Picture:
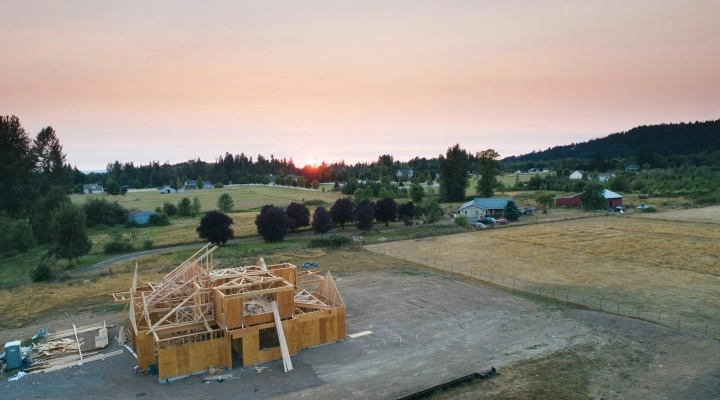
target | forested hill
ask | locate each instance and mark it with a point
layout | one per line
(665, 140)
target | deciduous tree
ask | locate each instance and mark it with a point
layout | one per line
(272, 223)
(342, 212)
(69, 235)
(364, 215)
(111, 187)
(592, 197)
(545, 199)
(417, 193)
(322, 221)
(299, 214)
(200, 182)
(386, 210)
(216, 227)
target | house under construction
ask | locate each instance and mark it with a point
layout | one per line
(196, 316)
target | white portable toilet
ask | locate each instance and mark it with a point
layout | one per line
(13, 358)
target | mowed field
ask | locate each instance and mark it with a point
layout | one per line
(245, 197)
(645, 262)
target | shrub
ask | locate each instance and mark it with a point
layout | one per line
(147, 243)
(159, 220)
(100, 211)
(170, 209)
(461, 220)
(132, 224)
(117, 246)
(330, 241)
(218, 185)
(315, 203)
(42, 272)
(650, 209)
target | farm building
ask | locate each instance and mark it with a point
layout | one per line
(168, 189)
(140, 217)
(481, 207)
(196, 316)
(577, 174)
(613, 200)
(406, 172)
(192, 184)
(605, 177)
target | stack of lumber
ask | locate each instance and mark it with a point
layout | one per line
(63, 345)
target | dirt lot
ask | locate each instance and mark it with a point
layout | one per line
(428, 328)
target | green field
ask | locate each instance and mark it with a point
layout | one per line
(245, 197)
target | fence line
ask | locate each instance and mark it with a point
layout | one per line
(657, 315)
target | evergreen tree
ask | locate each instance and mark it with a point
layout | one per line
(21, 236)
(200, 182)
(489, 169)
(322, 221)
(196, 206)
(185, 207)
(454, 169)
(512, 211)
(225, 203)
(42, 212)
(216, 228)
(17, 163)
(50, 161)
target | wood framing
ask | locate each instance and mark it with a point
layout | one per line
(197, 315)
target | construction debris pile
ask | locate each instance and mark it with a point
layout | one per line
(196, 316)
(58, 350)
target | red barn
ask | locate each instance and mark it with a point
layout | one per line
(613, 200)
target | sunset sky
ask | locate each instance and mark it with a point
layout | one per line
(177, 80)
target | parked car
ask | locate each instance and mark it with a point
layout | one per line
(620, 208)
(488, 221)
(643, 207)
(503, 221)
(479, 225)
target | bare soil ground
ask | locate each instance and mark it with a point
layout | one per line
(428, 328)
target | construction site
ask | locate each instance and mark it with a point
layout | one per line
(197, 316)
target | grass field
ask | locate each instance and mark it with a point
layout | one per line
(638, 261)
(245, 197)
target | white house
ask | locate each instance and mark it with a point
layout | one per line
(402, 172)
(605, 177)
(91, 188)
(481, 207)
(577, 174)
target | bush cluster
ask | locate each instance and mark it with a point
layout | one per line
(332, 241)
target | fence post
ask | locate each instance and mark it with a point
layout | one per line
(513, 283)
(502, 280)
(638, 312)
(658, 316)
(567, 296)
(490, 278)
(583, 298)
(553, 293)
(600, 304)
(618, 307)
(706, 329)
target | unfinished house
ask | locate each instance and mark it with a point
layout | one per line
(197, 316)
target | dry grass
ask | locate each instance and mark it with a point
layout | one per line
(636, 261)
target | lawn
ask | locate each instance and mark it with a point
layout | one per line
(633, 263)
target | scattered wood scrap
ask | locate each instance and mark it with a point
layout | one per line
(218, 378)
(363, 333)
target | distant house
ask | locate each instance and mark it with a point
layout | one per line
(577, 174)
(168, 189)
(192, 184)
(140, 217)
(605, 177)
(402, 172)
(613, 200)
(91, 188)
(481, 207)
(632, 168)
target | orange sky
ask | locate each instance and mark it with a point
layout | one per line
(335, 80)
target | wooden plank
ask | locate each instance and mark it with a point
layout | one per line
(86, 360)
(287, 363)
(356, 335)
